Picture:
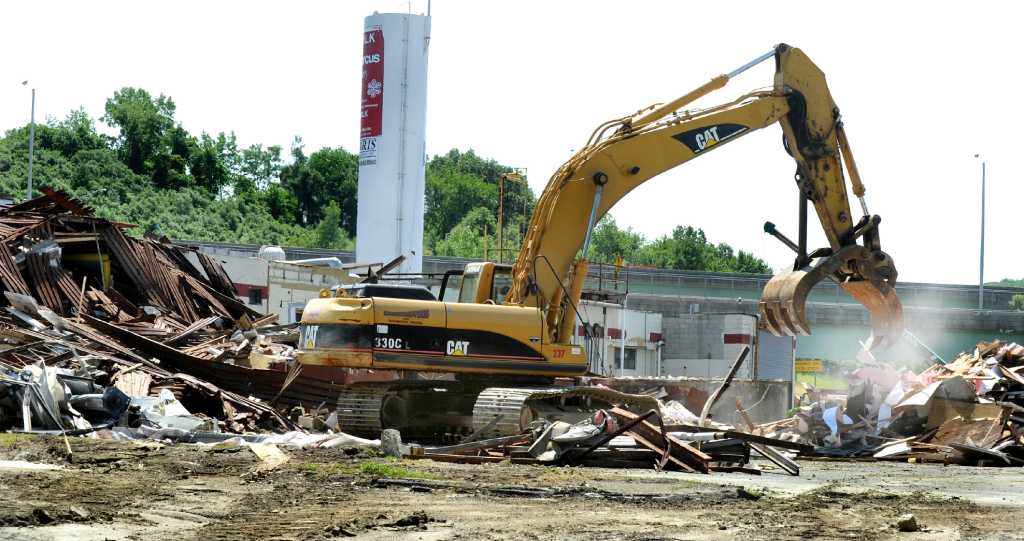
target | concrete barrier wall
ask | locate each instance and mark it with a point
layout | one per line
(836, 329)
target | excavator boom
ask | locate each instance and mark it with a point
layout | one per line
(626, 152)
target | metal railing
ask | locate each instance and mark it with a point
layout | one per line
(690, 283)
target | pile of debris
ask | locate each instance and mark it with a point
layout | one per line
(619, 438)
(99, 329)
(967, 411)
(667, 437)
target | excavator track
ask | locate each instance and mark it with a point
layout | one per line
(505, 411)
(359, 409)
(502, 411)
(428, 410)
(451, 410)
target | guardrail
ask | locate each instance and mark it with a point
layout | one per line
(689, 283)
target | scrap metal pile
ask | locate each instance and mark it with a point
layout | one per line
(99, 329)
(967, 411)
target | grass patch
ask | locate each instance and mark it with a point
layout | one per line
(378, 469)
(820, 381)
(10, 441)
(374, 469)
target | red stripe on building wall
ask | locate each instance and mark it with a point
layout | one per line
(614, 333)
(242, 290)
(655, 337)
(736, 338)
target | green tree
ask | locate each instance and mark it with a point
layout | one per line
(171, 163)
(460, 182)
(77, 132)
(1007, 282)
(609, 242)
(336, 181)
(1017, 301)
(688, 249)
(142, 122)
(469, 237)
(259, 167)
(281, 203)
(329, 233)
(328, 175)
(748, 263)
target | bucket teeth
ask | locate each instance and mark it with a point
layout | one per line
(783, 301)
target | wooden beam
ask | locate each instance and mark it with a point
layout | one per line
(652, 437)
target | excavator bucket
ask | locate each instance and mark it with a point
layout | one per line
(784, 311)
(884, 310)
(783, 301)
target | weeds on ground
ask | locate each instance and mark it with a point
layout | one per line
(373, 469)
(386, 470)
(10, 441)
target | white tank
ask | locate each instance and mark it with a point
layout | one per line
(392, 152)
(271, 253)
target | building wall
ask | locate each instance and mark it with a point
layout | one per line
(283, 288)
(705, 345)
(643, 335)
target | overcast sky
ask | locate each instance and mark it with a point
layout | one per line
(922, 88)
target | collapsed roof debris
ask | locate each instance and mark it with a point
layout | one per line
(81, 296)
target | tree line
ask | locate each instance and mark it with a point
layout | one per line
(155, 173)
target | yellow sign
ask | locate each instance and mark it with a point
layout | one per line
(810, 366)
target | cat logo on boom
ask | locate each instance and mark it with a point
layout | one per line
(458, 348)
(701, 139)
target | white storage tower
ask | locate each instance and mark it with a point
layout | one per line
(392, 152)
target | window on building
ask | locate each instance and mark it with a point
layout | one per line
(630, 358)
(255, 295)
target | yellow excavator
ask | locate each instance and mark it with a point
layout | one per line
(509, 335)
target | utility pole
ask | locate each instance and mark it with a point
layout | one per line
(516, 176)
(31, 141)
(981, 264)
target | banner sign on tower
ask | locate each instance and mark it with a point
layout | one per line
(373, 94)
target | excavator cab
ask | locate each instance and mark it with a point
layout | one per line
(479, 283)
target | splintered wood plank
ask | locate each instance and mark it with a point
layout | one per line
(650, 436)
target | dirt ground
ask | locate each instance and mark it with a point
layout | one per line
(112, 490)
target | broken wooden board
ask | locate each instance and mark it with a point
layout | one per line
(650, 436)
(751, 438)
(977, 432)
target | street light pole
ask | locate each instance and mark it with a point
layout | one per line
(981, 264)
(31, 143)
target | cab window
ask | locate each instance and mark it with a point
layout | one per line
(502, 285)
(469, 285)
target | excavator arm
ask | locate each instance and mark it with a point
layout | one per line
(626, 152)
